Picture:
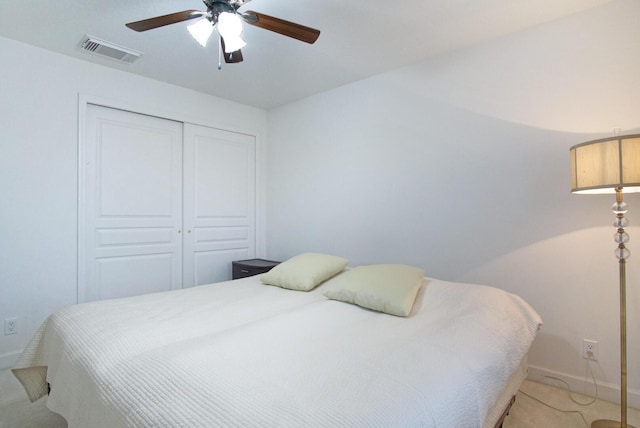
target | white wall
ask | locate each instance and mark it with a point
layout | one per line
(39, 93)
(460, 165)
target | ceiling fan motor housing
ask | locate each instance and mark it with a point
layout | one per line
(215, 8)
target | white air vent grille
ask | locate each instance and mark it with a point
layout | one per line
(109, 50)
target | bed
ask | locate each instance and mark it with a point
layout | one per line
(244, 354)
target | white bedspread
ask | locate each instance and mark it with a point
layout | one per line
(242, 354)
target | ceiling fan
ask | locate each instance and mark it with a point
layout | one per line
(224, 15)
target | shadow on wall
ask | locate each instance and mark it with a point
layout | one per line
(557, 347)
(432, 185)
(572, 281)
(580, 380)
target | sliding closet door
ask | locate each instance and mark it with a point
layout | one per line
(131, 205)
(219, 202)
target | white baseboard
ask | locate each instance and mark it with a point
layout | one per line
(606, 391)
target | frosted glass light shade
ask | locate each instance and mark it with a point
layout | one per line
(230, 29)
(601, 166)
(201, 30)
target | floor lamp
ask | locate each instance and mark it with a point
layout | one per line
(611, 165)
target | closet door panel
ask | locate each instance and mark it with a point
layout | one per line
(132, 205)
(219, 202)
(133, 274)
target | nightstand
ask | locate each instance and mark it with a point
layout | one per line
(244, 268)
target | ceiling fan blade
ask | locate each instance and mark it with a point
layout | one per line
(286, 28)
(232, 57)
(161, 21)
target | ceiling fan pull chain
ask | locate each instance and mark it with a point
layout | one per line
(219, 52)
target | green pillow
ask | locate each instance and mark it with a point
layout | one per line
(305, 271)
(389, 288)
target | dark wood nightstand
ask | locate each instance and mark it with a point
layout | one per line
(244, 268)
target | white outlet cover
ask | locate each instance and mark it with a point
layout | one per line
(590, 346)
(10, 326)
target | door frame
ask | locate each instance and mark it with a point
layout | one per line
(260, 165)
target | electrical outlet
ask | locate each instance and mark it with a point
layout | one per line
(590, 350)
(10, 326)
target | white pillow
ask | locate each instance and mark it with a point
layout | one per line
(305, 271)
(389, 288)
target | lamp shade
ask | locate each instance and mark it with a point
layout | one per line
(601, 166)
(230, 28)
(201, 30)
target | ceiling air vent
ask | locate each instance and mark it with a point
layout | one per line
(109, 50)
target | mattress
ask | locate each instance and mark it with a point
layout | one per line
(508, 393)
(243, 354)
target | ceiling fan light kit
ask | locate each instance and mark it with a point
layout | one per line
(230, 29)
(225, 17)
(201, 31)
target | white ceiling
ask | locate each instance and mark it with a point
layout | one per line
(358, 39)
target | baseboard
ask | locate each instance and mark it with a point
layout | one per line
(606, 391)
(9, 359)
